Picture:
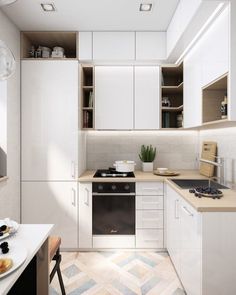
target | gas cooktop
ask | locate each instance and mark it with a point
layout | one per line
(111, 172)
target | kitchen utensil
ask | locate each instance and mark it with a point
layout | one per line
(124, 166)
(209, 149)
(18, 253)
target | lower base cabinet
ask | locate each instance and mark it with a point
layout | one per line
(201, 246)
(52, 203)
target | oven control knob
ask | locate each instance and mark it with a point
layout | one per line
(113, 187)
(100, 187)
(127, 187)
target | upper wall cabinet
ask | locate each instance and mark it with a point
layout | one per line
(85, 45)
(206, 63)
(147, 97)
(114, 46)
(114, 97)
(122, 46)
(150, 45)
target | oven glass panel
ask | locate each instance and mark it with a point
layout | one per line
(113, 215)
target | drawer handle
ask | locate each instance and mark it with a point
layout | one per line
(73, 197)
(187, 211)
(86, 197)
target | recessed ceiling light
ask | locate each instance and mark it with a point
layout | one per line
(145, 7)
(48, 7)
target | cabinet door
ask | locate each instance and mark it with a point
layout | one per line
(173, 231)
(85, 45)
(113, 46)
(114, 97)
(150, 45)
(147, 97)
(190, 253)
(49, 120)
(85, 215)
(52, 203)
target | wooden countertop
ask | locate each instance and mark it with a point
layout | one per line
(226, 204)
(87, 176)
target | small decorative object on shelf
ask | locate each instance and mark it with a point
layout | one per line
(223, 108)
(180, 120)
(147, 156)
(166, 102)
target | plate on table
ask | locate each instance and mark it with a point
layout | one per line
(13, 226)
(166, 173)
(17, 253)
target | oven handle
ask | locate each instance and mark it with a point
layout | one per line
(114, 194)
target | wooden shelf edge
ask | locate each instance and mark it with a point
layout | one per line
(173, 109)
(173, 87)
(215, 122)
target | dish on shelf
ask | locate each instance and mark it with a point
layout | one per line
(15, 257)
(166, 173)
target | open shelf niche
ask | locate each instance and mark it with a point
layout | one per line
(212, 97)
(67, 40)
(172, 91)
(87, 96)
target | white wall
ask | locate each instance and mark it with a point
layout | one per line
(10, 190)
(175, 149)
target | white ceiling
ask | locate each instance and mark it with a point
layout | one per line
(94, 15)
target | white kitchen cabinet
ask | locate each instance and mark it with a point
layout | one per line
(49, 106)
(184, 233)
(52, 203)
(150, 46)
(114, 97)
(85, 46)
(149, 215)
(113, 46)
(85, 215)
(207, 61)
(173, 226)
(200, 245)
(147, 97)
(190, 248)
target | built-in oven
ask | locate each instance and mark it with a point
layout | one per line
(113, 210)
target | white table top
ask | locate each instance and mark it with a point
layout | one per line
(32, 236)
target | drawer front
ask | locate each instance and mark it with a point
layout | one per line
(149, 202)
(149, 219)
(149, 188)
(149, 238)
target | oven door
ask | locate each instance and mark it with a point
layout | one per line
(113, 214)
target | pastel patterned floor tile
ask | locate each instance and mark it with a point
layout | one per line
(117, 273)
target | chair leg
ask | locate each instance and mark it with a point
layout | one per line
(63, 292)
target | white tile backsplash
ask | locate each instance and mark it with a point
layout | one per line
(175, 149)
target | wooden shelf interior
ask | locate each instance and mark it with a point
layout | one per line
(172, 88)
(87, 97)
(172, 75)
(212, 96)
(67, 40)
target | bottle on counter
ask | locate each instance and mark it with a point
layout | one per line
(223, 108)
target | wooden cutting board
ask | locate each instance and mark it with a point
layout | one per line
(209, 150)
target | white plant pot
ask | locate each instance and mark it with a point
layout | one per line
(147, 166)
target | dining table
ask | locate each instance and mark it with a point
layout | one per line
(32, 276)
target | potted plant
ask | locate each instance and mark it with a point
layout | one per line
(147, 156)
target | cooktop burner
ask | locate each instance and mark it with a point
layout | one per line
(207, 192)
(111, 172)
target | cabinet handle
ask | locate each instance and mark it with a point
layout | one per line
(73, 197)
(187, 211)
(86, 197)
(177, 209)
(73, 169)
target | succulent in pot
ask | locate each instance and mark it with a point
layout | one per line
(147, 156)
